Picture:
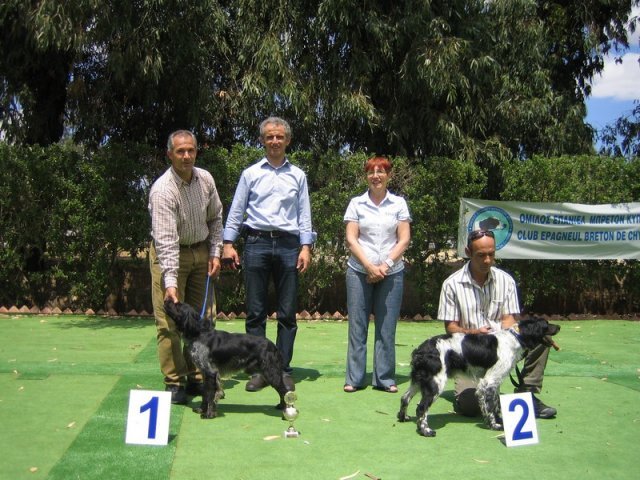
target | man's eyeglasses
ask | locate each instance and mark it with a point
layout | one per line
(476, 234)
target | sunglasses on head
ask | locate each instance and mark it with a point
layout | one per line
(476, 234)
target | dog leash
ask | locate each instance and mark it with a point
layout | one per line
(205, 303)
(520, 382)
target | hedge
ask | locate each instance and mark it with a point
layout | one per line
(69, 216)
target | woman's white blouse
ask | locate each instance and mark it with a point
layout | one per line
(378, 225)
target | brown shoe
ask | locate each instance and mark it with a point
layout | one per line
(288, 382)
(255, 383)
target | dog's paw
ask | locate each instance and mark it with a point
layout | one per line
(208, 414)
(426, 432)
(423, 428)
(496, 426)
(403, 417)
(280, 406)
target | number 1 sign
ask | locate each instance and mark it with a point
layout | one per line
(148, 418)
(518, 419)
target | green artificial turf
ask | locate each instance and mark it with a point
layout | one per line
(65, 382)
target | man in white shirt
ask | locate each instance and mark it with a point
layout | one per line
(481, 299)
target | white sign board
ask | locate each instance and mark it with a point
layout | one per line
(518, 419)
(148, 417)
(554, 231)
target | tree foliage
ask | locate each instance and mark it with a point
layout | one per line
(472, 79)
(149, 68)
(575, 286)
(65, 216)
(71, 218)
(622, 138)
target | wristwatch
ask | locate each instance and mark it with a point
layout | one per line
(390, 262)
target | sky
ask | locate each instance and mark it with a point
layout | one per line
(614, 91)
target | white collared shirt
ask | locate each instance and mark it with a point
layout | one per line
(378, 227)
(473, 306)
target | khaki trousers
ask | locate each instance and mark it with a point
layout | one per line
(175, 362)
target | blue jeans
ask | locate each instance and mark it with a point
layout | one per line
(383, 299)
(263, 259)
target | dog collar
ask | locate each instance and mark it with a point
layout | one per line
(515, 331)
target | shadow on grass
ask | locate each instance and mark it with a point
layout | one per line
(403, 381)
(238, 380)
(299, 375)
(441, 420)
(235, 408)
(99, 323)
(306, 374)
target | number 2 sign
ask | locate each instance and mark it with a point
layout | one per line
(148, 417)
(518, 419)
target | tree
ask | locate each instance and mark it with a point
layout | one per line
(473, 79)
(470, 79)
(580, 33)
(622, 138)
(37, 49)
(150, 68)
(112, 70)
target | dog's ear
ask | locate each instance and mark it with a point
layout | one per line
(170, 308)
(189, 312)
(532, 330)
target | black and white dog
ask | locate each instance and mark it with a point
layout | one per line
(216, 352)
(487, 358)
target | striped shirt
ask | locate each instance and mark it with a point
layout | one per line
(473, 306)
(183, 214)
(377, 227)
(273, 199)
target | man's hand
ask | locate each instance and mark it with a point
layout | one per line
(214, 266)
(171, 293)
(228, 252)
(304, 258)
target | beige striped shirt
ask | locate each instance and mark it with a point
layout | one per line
(463, 300)
(183, 214)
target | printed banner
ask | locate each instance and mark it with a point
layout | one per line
(554, 231)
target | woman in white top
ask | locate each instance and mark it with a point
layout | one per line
(377, 234)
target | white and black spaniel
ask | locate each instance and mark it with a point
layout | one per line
(487, 358)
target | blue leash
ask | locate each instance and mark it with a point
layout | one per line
(206, 299)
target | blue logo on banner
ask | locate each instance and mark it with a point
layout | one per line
(494, 219)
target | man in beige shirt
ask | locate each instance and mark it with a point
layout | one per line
(186, 227)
